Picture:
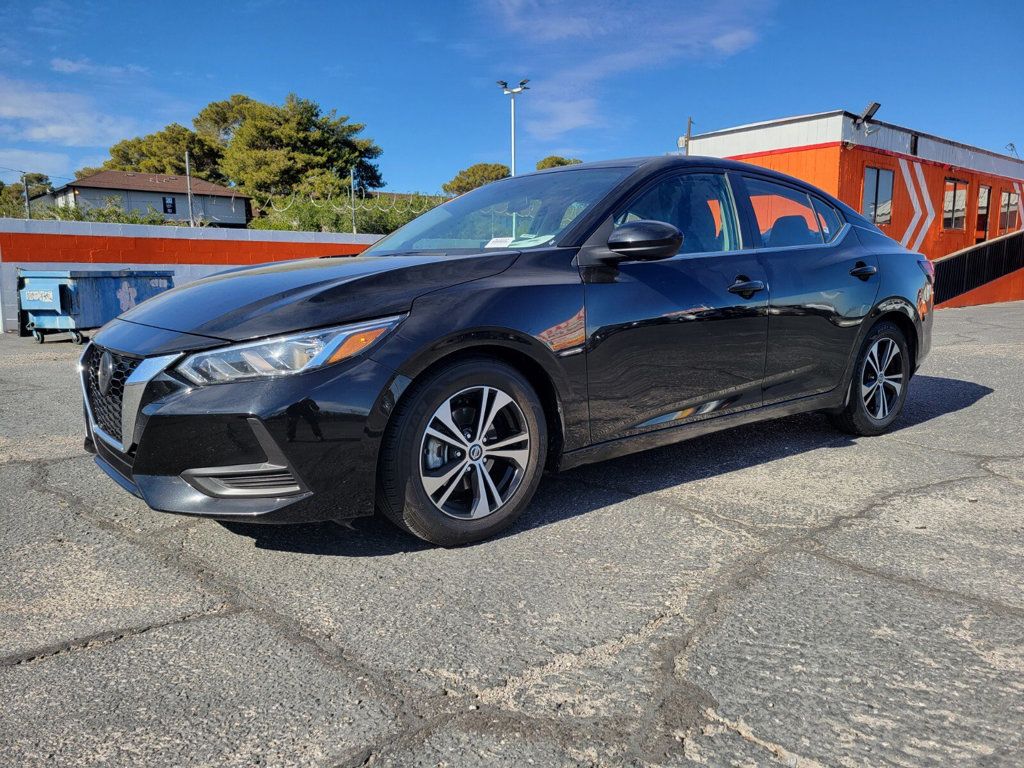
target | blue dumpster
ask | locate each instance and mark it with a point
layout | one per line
(72, 301)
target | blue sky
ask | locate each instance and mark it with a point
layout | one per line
(607, 78)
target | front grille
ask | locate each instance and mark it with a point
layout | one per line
(106, 409)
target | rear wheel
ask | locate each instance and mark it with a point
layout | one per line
(464, 453)
(879, 387)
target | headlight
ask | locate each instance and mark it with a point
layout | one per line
(284, 355)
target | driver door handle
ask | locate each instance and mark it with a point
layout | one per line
(745, 287)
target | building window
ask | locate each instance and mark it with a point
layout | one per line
(877, 195)
(1008, 221)
(170, 205)
(954, 205)
(984, 193)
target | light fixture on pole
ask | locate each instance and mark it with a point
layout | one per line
(511, 92)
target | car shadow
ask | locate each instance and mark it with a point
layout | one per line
(702, 457)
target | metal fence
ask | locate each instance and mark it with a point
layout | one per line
(970, 268)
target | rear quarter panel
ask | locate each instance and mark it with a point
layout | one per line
(904, 287)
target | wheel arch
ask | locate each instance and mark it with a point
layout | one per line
(901, 312)
(895, 309)
(518, 353)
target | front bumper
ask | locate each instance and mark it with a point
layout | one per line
(295, 449)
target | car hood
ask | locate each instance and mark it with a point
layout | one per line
(265, 300)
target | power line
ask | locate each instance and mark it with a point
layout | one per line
(25, 173)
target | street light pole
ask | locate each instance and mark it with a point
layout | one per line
(188, 187)
(512, 107)
(24, 190)
(511, 92)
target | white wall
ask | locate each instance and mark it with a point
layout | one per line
(217, 210)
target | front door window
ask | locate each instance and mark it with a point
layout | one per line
(698, 204)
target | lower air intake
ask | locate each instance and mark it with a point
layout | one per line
(247, 480)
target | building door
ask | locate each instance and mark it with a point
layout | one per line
(981, 222)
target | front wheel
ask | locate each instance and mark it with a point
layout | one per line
(464, 453)
(879, 387)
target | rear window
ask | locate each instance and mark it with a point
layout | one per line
(829, 219)
(784, 216)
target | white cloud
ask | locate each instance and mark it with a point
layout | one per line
(29, 112)
(87, 67)
(53, 18)
(551, 118)
(572, 47)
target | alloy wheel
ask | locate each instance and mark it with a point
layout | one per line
(882, 378)
(474, 452)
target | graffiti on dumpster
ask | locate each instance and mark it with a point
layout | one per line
(127, 294)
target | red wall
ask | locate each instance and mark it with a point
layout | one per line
(1006, 288)
(937, 242)
(104, 249)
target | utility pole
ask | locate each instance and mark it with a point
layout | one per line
(512, 92)
(24, 189)
(689, 133)
(352, 194)
(188, 185)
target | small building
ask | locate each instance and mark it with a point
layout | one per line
(212, 204)
(934, 195)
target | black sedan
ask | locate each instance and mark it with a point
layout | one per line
(536, 323)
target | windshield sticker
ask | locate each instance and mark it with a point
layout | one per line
(498, 242)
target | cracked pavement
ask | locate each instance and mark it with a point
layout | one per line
(774, 594)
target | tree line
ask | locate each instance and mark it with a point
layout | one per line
(295, 159)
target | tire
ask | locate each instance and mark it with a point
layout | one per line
(77, 337)
(452, 513)
(865, 412)
(38, 336)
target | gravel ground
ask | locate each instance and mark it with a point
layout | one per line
(778, 593)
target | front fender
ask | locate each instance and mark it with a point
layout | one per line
(538, 325)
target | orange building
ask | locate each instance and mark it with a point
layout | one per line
(934, 195)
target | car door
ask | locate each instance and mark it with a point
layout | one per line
(680, 339)
(823, 283)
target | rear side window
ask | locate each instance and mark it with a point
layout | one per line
(828, 219)
(698, 204)
(784, 216)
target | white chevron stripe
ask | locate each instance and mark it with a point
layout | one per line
(1020, 205)
(909, 181)
(928, 206)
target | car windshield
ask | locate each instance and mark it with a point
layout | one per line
(521, 212)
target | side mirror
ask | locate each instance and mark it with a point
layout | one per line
(645, 240)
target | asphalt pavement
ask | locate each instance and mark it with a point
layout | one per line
(774, 594)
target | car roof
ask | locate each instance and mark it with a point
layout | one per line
(657, 163)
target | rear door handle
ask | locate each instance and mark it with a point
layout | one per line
(745, 287)
(863, 271)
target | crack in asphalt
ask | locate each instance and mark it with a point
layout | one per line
(100, 639)
(995, 607)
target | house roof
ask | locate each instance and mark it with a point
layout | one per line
(151, 182)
